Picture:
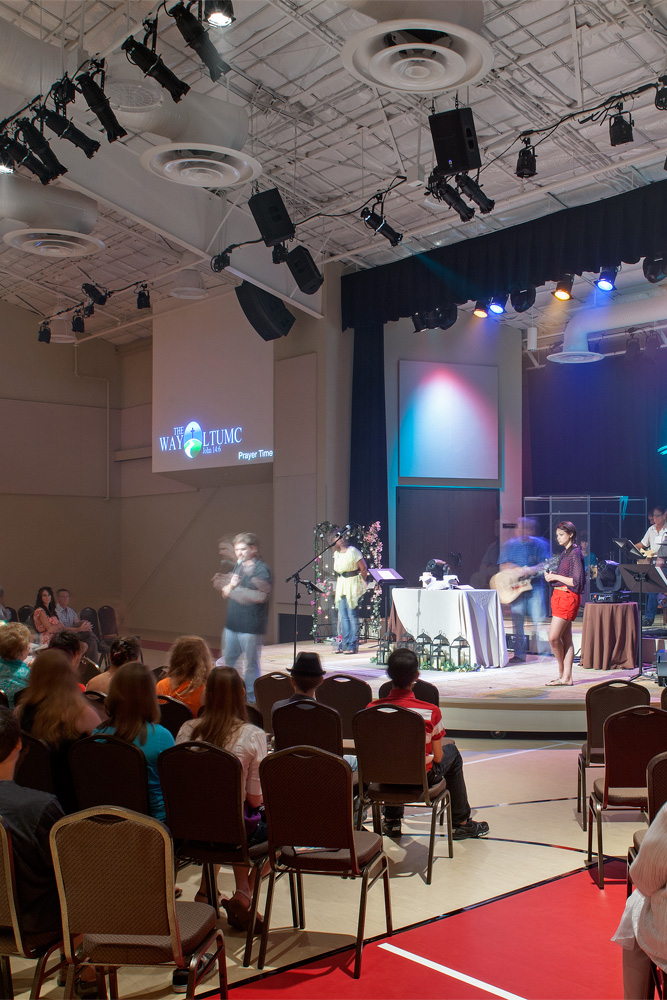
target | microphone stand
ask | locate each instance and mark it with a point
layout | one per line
(308, 584)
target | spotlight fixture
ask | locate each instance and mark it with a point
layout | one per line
(151, 64)
(98, 103)
(197, 38)
(498, 303)
(439, 189)
(620, 129)
(632, 348)
(525, 164)
(607, 280)
(380, 225)
(523, 298)
(6, 162)
(653, 343)
(661, 93)
(563, 289)
(66, 129)
(481, 309)
(34, 139)
(419, 322)
(88, 310)
(96, 294)
(78, 326)
(44, 334)
(219, 13)
(22, 157)
(472, 190)
(655, 269)
(279, 253)
(220, 262)
(143, 297)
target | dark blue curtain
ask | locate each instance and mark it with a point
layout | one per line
(368, 454)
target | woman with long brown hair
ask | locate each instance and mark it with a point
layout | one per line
(190, 663)
(44, 615)
(570, 580)
(224, 723)
(134, 715)
(53, 709)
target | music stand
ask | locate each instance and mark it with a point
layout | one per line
(626, 543)
(385, 576)
(639, 579)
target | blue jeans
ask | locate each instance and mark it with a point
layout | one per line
(250, 645)
(530, 604)
(651, 606)
(349, 623)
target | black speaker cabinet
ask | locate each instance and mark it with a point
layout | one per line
(661, 667)
(304, 270)
(266, 313)
(272, 218)
(455, 140)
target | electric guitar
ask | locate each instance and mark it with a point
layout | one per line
(510, 586)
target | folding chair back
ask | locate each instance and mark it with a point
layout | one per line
(348, 695)
(270, 688)
(423, 691)
(390, 743)
(108, 771)
(108, 622)
(173, 713)
(631, 739)
(656, 782)
(307, 723)
(35, 764)
(90, 615)
(604, 700)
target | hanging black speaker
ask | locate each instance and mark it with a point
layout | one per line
(304, 270)
(272, 218)
(266, 313)
(455, 140)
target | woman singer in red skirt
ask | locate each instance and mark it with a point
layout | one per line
(569, 580)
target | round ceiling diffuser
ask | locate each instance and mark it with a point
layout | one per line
(53, 242)
(418, 55)
(200, 165)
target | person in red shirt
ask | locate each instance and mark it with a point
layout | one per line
(441, 761)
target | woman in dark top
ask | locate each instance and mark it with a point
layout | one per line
(569, 580)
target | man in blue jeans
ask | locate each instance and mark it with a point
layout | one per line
(522, 554)
(248, 593)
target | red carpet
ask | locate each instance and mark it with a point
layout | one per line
(546, 943)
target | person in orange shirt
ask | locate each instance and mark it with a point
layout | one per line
(189, 665)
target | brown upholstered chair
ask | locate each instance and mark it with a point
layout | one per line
(389, 742)
(108, 771)
(108, 622)
(631, 739)
(98, 700)
(13, 941)
(602, 700)
(348, 695)
(173, 713)
(663, 694)
(423, 691)
(255, 716)
(209, 829)
(127, 913)
(312, 832)
(87, 670)
(656, 785)
(34, 768)
(270, 688)
(307, 723)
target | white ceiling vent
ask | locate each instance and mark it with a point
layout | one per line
(423, 47)
(53, 242)
(127, 88)
(49, 221)
(649, 309)
(200, 165)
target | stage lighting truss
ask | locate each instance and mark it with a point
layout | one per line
(523, 298)
(606, 281)
(98, 102)
(151, 64)
(219, 13)
(196, 37)
(563, 289)
(526, 165)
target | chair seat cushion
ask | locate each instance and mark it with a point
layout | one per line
(367, 846)
(592, 755)
(633, 797)
(221, 854)
(402, 794)
(195, 923)
(33, 943)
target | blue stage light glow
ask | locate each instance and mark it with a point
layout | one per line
(497, 308)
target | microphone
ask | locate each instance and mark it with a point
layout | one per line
(344, 531)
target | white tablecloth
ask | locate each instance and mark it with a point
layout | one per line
(477, 615)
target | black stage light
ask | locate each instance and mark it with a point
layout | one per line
(151, 64)
(661, 93)
(448, 316)
(143, 297)
(380, 225)
(620, 129)
(653, 344)
(523, 298)
(498, 303)
(6, 161)
(655, 269)
(96, 294)
(481, 309)
(78, 326)
(525, 163)
(607, 279)
(279, 254)
(44, 334)
(98, 103)
(419, 322)
(472, 190)
(220, 262)
(563, 289)
(197, 38)
(88, 310)
(632, 348)
(219, 13)
(304, 270)
(22, 157)
(439, 189)
(66, 129)
(39, 145)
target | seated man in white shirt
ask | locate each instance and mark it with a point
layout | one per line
(71, 621)
(654, 537)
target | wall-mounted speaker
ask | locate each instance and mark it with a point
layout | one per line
(304, 270)
(272, 218)
(266, 313)
(455, 140)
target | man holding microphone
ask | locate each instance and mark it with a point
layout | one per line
(248, 593)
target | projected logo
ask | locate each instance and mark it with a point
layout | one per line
(192, 439)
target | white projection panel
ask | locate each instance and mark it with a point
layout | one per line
(212, 389)
(448, 421)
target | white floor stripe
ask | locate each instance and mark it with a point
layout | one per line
(512, 753)
(461, 976)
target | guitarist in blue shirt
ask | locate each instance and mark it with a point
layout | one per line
(522, 555)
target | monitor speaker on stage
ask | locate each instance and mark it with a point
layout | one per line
(265, 312)
(455, 140)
